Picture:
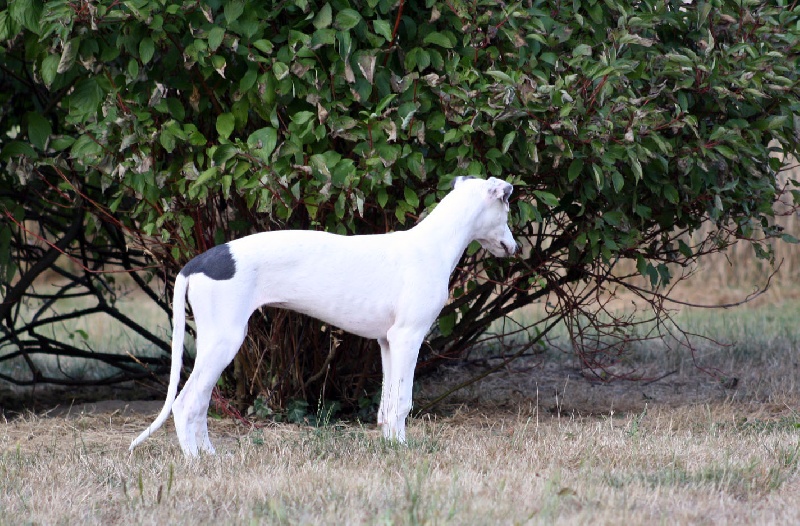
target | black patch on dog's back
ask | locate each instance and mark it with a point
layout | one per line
(217, 263)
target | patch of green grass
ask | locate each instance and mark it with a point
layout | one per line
(97, 332)
(744, 334)
(752, 477)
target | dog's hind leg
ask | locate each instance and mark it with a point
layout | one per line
(191, 406)
(181, 424)
(222, 354)
(221, 327)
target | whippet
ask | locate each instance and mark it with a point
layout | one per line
(390, 287)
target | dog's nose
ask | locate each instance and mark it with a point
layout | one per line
(512, 250)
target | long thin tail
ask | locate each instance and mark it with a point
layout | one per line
(178, 333)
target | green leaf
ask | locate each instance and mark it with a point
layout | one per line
(382, 197)
(27, 13)
(302, 117)
(726, 151)
(324, 17)
(321, 164)
(196, 138)
(575, 169)
(582, 50)
(671, 194)
(281, 70)
(508, 139)
(416, 165)
(50, 69)
(438, 39)
(8, 26)
(383, 28)
(225, 124)
(86, 98)
(215, 37)
(771, 123)
(223, 152)
(411, 197)
(636, 166)
(385, 102)
(684, 249)
(218, 61)
(613, 218)
(265, 46)
(133, 68)
(248, 79)
(176, 109)
(39, 130)
(347, 19)
(15, 148)
(322, 37)
(418, 58)
(263, 141)
(598, 175)
(546, 197)
(499, 75)
(233, 10)
(167, 140)
(617, 180)
(664, 274)
(61, 143)
(203, 180)
(641, 265)
(447, 323)
(678, 58)
(548, 57)
(147, 49)
(84, 147)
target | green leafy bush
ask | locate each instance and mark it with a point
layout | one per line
(173, 127)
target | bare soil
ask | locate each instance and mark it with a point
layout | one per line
(526, 385)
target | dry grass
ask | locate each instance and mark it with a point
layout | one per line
(699, 464)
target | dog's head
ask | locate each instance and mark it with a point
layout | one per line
(491, 226)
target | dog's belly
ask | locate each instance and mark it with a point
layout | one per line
(359, 303)
(356, 317)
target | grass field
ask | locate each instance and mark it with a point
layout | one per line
(715, 463)
(537, 443)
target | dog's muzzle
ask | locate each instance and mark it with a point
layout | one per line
(510, 250)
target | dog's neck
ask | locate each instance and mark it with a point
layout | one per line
(445, 225)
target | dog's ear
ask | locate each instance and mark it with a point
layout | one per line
(461, 178)
(500, 189)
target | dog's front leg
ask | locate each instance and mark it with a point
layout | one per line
(403, 351)
(386, 365)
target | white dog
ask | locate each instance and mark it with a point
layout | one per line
(390, 287)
